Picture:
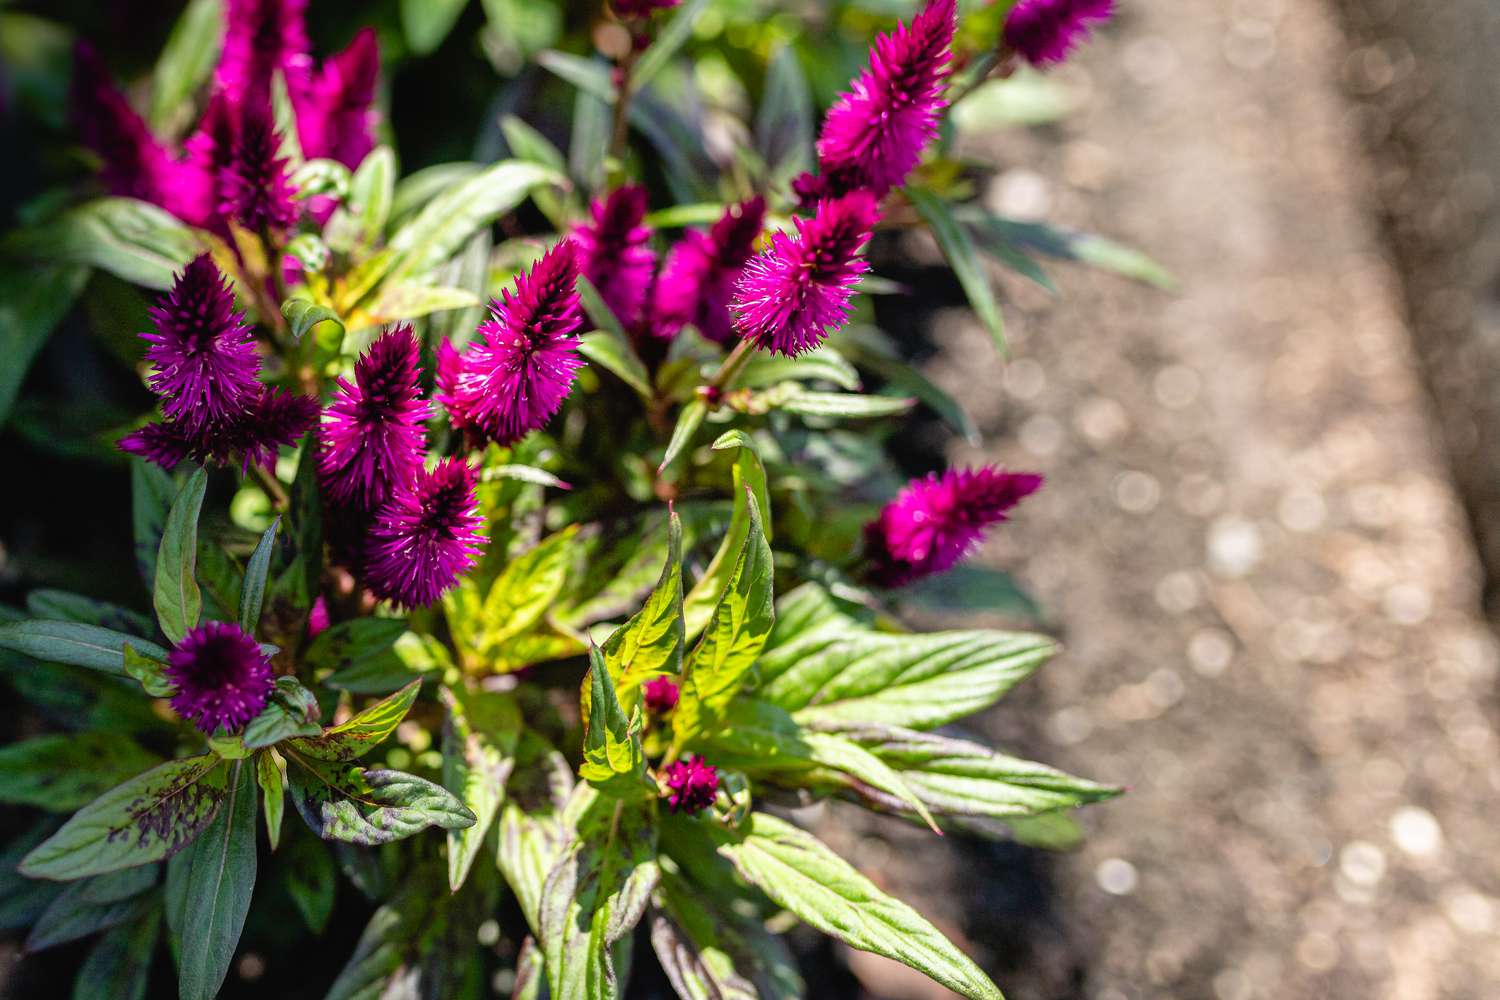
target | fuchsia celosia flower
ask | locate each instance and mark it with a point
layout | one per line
(692, 784)
(223, 678)
(698, 280)
(373, 436)
(261, 38)
(640, 8)
(254, 188)
(514, 380)
(935, 521)
(875, 132)
(661, 694)
(134, 164)
(425, 536)
(614, 252)
(1043, 32)
(334, 116)
(204, 353)
(793, 295)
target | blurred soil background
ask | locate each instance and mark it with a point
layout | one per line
(1272, 520)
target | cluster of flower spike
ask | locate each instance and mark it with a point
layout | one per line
(230, 167)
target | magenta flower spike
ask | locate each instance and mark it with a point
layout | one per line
(254, 188)
(262, 37)
(614, 252)
(204, 353)
(133, 163)
(937, 520)
(874, 134)
(425, 536)
(223, 678)
(515, 378)
(373, 435)
(792, 296)
(1044, 32)
(692, 784)
(660, 694)
(697, 282)
(335, 119)
(209, 150)
(627, 9)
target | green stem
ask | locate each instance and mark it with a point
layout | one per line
(723, 379)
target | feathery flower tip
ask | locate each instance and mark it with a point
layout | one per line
(514, 380)
(373, 436)
(936, 521)
(692, 784)
(223, 678)
(793, 295)
(425, 536)
(1044, 32)
(254, 188)
(698, 280)
(262, 37)
(133, 163)
(334, 116)
(614, 251)
(661, 695)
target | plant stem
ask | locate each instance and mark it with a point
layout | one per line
(730, 369)
(620, 129)
(273, 487)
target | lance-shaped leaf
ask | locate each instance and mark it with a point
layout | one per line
(595, 895)
(362, 733)
(291, 711)
(93, 904)
(81, 645)
(131, 239)
(361, 219)
(59, 605)
(149, 672)
(958, 248)
(177, 600)
(614, 355)
(185, 62)
(33, 300)
(534, 829)
(151, 493)
(688, 421)
(723, 658)
(253, 586)
(221, 876)
(341, 801)
(712, 952)
(479, 743)
(528, 587)
(397, 928)
(148, 818)
(272, 794)
(613, 759)
(412, 301)
(799, 873)
(700, 603)
(118, 966)
(312, 881)
(360, 648)
(303, 314)
(60, 773)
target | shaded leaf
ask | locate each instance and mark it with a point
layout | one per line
(176, 597)
(221, 872)
(81, 645)
(958, 248)
(131, 239)
(61, 773)
(362, 733)
(479, 742)
(344, 802)
(33, 300)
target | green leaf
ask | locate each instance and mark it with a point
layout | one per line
(358, 223)
(148, 818)
(1057, 831)
(60, 773)
(151, 493)
(613, 759)
(177, 600)
(1021, 100)
(799, 873)
(732, 641)
(361, 645)
(33, 300)
(844, 405)
(369, 806)
(362, 733)
(918, 681)
(997, 233)
(527, 588)
(427, 22)
(221, 872)
(784, 123)
(120, 963)
(416, 190)
(715, 953)
(594, 304)
(398, 302)
(91, 905)
(148, 672)
(529, 144)
(821, 365)
(702, 600)
(651, 643)
(607, 351)
(876, 353)
(253, 586)
(272, 794)
(302, 315)
(130, 239)
(688, 422)
(311, 880)
(958, 248)
(59, 605)
(590, 76)
(668, 41)
(291, 711)
(448, 221)
(321, 177)
(305, 553)
(479, 742)
(81, 645)
(595, 895)
(534, 829)
(972, 588)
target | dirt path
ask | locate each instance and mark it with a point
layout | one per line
(1250, 546)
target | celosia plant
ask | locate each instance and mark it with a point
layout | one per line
(577, 597)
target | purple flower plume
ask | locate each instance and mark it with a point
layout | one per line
(334, 117)
(640, 8)
(204, 354)
(614, 252)
(1043, 32)
(514, 380)
(134, 164)
(698, 280)
(790, 297)
(373, 436)
(274, 419)
(692, 784)
(254, 188)
(425, 536)
(875, 132)
(223, 678)
(661, 695)
(936, 521)
(262, 37)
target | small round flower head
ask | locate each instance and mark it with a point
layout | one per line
(793, 295)
(698, 280)
(514, 380)
(223, 678)
(875, 132)
(661, 695)
(334, 116)
(204, 354)
(1043, 32)
(692, 784)
(424, 537)
(373, 435)
(614, 252)
(936, 521)
(254, 188)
